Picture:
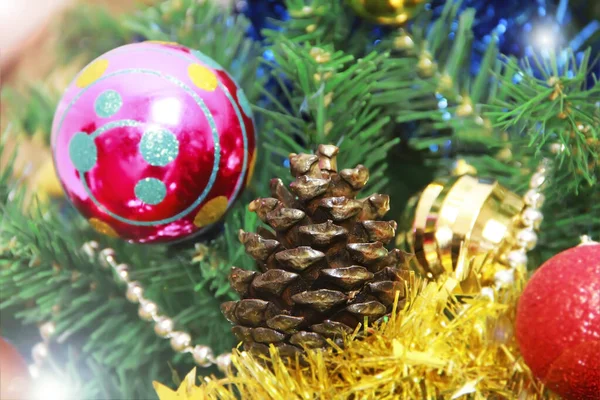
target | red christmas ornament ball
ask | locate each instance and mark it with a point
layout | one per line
(153, 142)
(14, 375)
(576, 372)
(558, 323)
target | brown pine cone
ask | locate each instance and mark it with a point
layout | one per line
(323, 267)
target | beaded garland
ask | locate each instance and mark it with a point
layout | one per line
(153, 142)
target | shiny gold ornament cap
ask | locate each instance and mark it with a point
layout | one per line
(460, 214)
(387, 12)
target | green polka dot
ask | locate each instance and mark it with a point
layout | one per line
(108, 103)
(150, 191)
(244, 102)
(206, 60)
(159, 147)
(83, 151)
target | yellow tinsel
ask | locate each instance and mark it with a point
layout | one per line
(186, 391)
(443, 345)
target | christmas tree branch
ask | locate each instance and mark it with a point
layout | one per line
(31, 113)
(429, 81)
(327, 96)
(45, 273)
(205, 26)
(80, 36)
(555, 108)
(42, 263)
(502, 121)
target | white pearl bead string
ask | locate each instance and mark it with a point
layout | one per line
(164, 326)
(530, 218)
(39, 352)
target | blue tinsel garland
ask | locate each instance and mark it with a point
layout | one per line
(523, 27)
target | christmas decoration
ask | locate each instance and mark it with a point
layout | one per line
(40, 351)
(460, 212)
(387, 12)
(261, 14)
(558, 322)
(164, 326)
(153, 142)
(434, 345)
(526, 28)
(187, 390)
(458, 218)
(324, 268)
(14, 377)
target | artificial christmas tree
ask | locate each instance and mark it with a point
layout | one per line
(410, 104)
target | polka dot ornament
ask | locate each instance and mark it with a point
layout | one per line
(153, 142)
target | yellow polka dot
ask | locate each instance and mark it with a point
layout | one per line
(202, 77)
(212, 211)
(251, 167)
(163, 42)
(91, 73)
(103, 227)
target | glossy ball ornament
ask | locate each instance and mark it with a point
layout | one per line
(14, 376)
(153, 142)
(558, 323)
(387, 12)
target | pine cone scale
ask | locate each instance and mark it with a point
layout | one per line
(331, 329)
(320, 300)
(250, 312)
(299, 259)
(285, 323)
(386, 291)
(307, 187)
(340, 208)
(356, 177)
(282, 219)
(266, 335)
(281, 193)
(380, 231)
(372, 309)
(307, 339)
(348, 277)
(322, 235)
(257, 247)
(274, 281)
(367, 253)
(240, 280)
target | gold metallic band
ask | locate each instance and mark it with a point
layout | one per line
(464, 213)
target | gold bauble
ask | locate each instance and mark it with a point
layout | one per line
(404, 42)
(462, 167)
(426, 67)
(457, 219)
(465, 108)
(387, 12)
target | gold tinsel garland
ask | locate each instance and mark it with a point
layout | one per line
(444, 344)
